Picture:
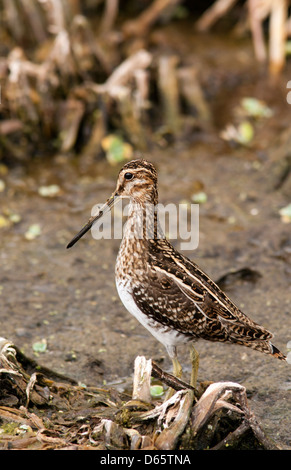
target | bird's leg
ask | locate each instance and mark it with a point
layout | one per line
(194, 355)
(177, 369)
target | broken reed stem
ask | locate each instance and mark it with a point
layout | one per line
(142, 379)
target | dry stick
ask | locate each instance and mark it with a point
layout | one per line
(110, 14)
(61, 57)
(80, 24)
(71, 8)
(18, 87)
(98, 131)
(192, 92)
(232, 437)
(148, 17)
(212, 400)
(142, 59)
(12, 14)
(254, 424)
(251, 420)
(130, 119)
(73, 114)
(57, 13)
(116, 88)
(33, 13)
(256, 16)
(213, 13)
(170, 380)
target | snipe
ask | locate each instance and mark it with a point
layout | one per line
(169, 294)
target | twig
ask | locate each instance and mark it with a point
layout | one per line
(213, 13)
(171, 380)
(257, 12)
(36, 24)
(233, 437)
(147, 18)
(125, 71)
(110, 14)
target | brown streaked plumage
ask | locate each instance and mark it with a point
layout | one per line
(169, 294)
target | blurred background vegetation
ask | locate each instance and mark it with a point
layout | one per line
(92, 77)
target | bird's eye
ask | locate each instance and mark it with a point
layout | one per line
(128, 176)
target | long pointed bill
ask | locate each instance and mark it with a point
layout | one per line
(104, 209)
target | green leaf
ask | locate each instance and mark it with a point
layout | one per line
(40, 346)
(199, 198)
(33, 231)
(256, 108)
(245, 133)
(285, 213)
(156, 391)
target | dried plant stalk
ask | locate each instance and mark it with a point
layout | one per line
(213, 14)
(110, 15)
(278, 21)
(169, 91)
(141, 25)
(142, 379)
(111, 422)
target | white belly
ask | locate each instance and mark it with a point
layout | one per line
(168, 337)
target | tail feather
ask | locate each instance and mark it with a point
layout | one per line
(266, 347)
(256, 337)
(276, 353)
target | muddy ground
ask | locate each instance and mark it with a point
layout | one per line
(68, 297)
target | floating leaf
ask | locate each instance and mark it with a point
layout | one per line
(33, 231)
(116, 149)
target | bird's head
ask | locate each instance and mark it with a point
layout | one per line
(136, 180)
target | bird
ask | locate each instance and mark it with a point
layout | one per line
(169, 294)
